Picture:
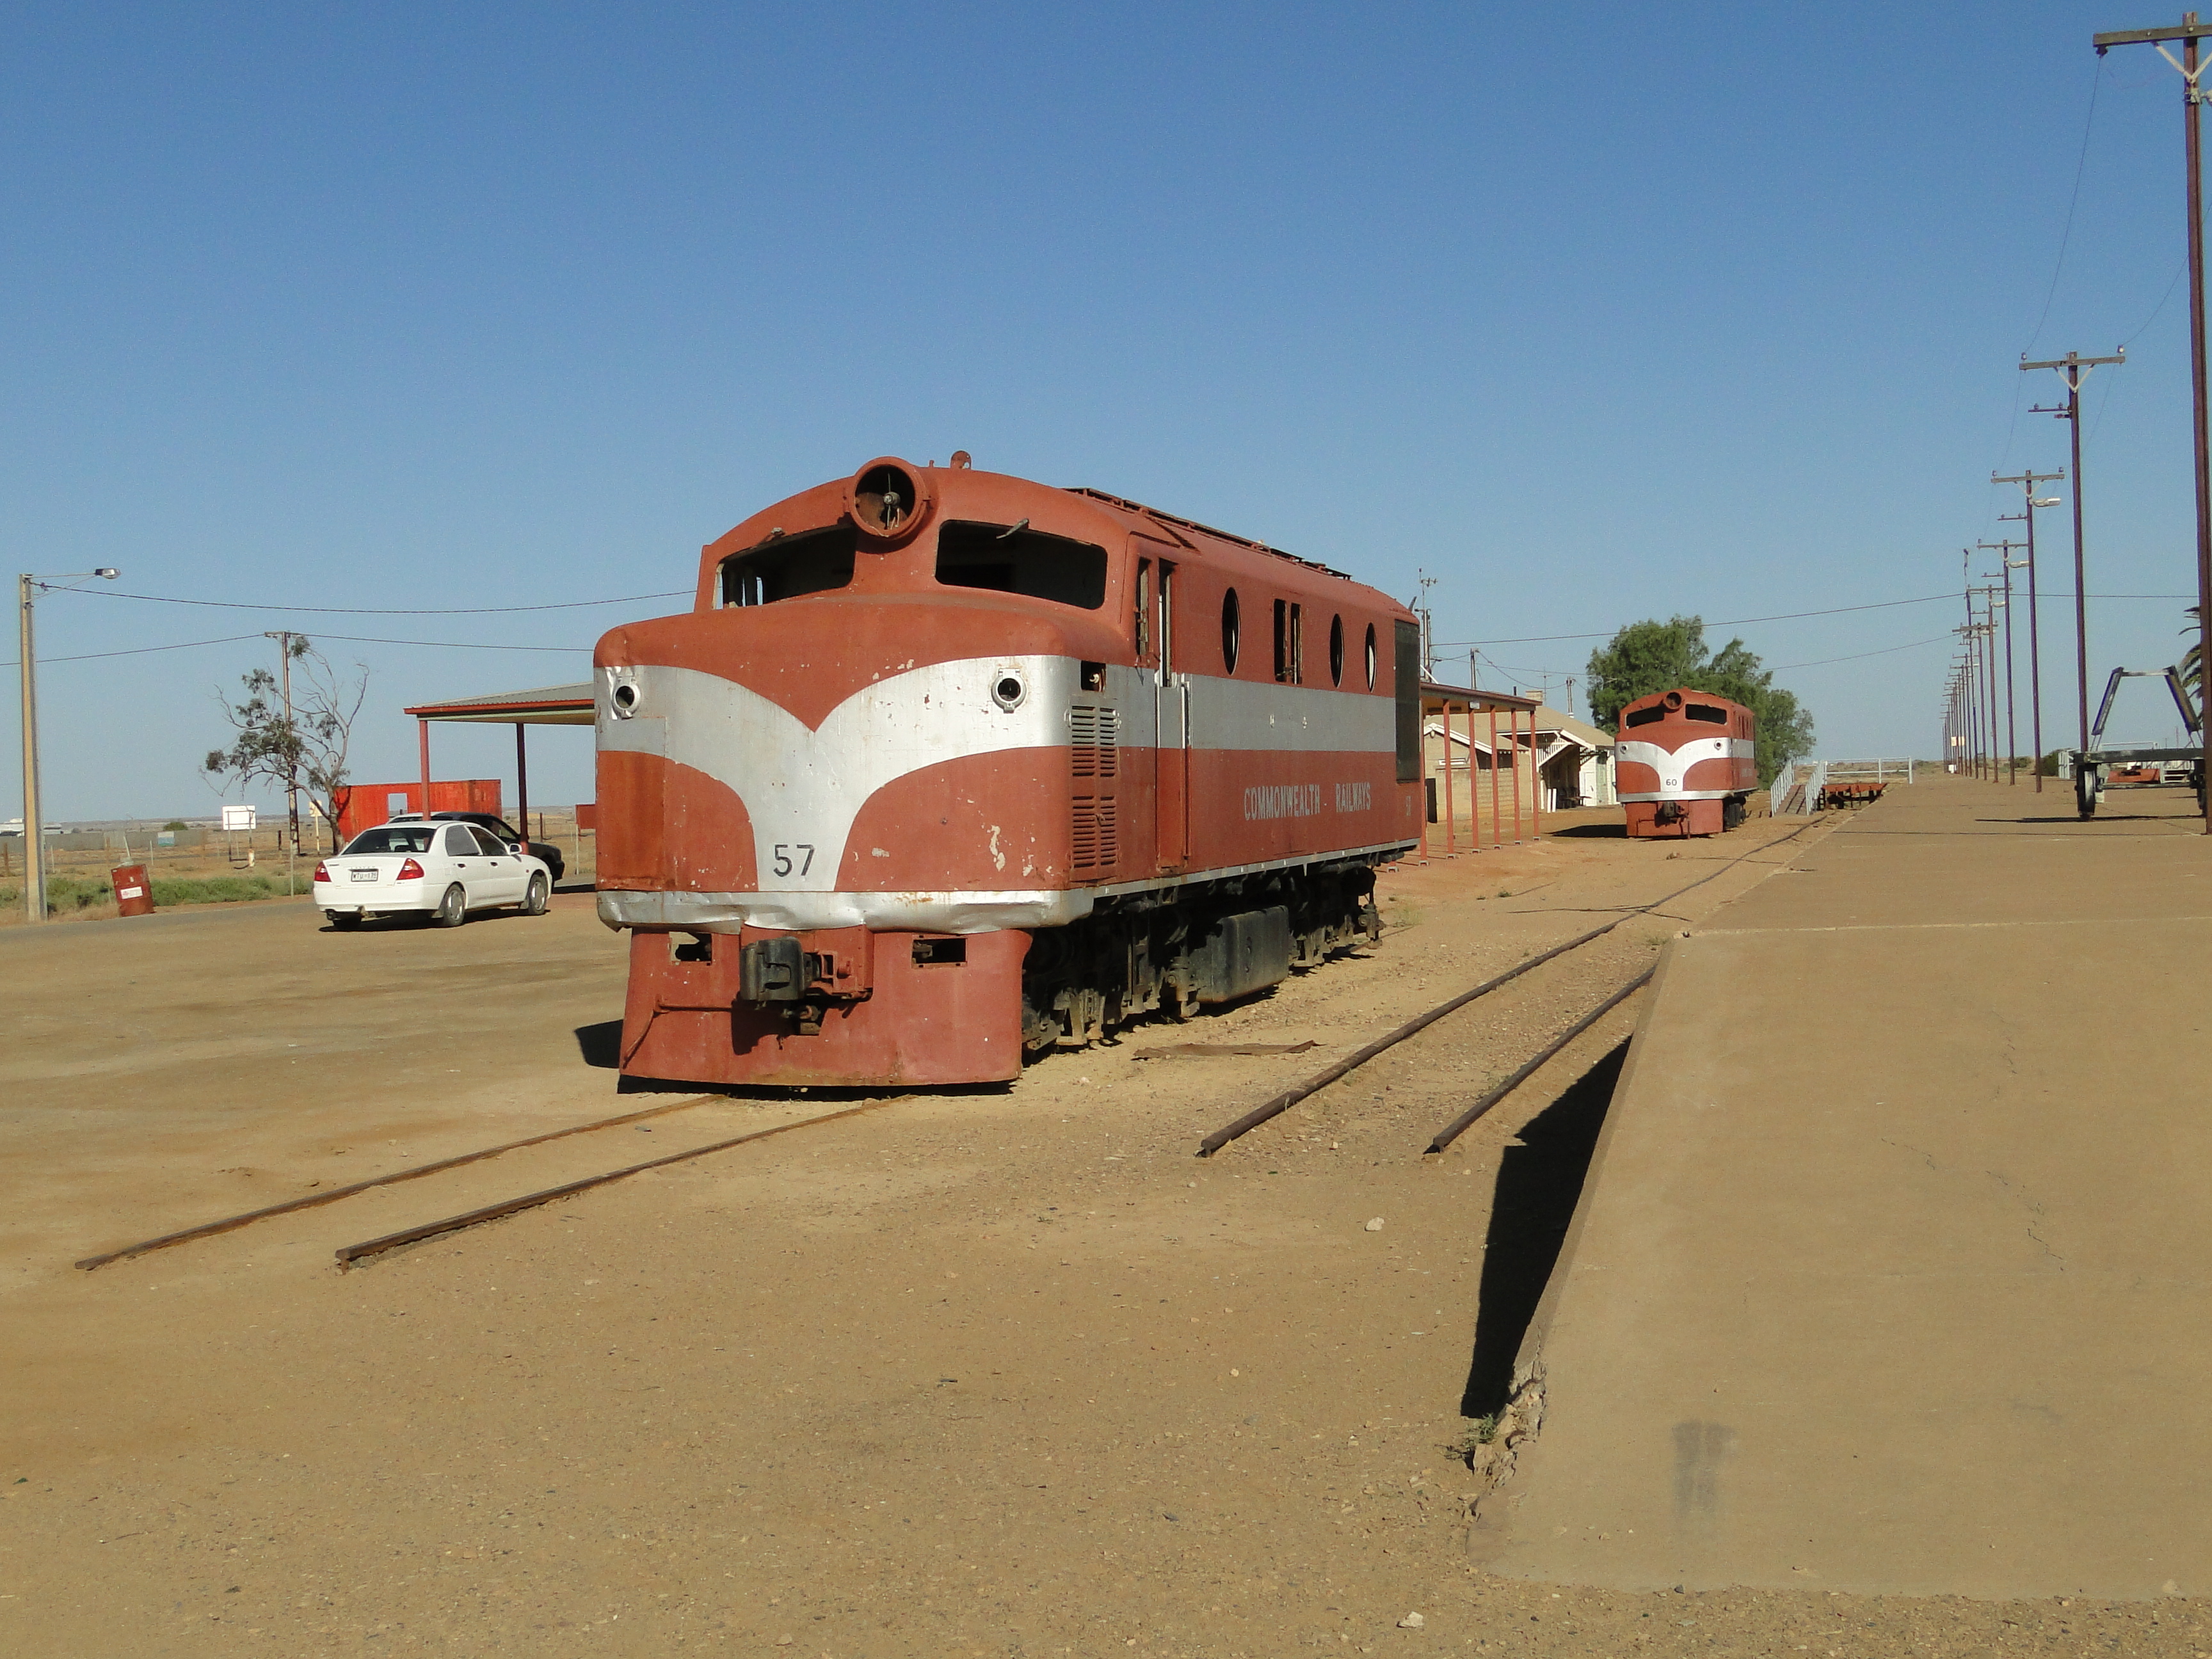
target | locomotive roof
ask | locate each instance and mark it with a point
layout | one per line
(1141, 511)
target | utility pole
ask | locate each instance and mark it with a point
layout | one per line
(2073, 366)
(2007, 564)
(34, 843)
(2028, 481)
(1972, 691)
(1990, 668)
(34, 839)
(1989, 672)
(1955, 725)
(2189, 34)
(284, 638)
(1428, 637)
(1969, 636)
(1959, 698)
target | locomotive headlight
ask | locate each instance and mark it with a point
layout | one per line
(888, 500)
(1009, 691)
(623, 697)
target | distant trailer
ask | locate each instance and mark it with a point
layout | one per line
(2096, 766)
(1849, 791)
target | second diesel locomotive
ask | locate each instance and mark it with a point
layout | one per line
(1686, 762)
(945, 767)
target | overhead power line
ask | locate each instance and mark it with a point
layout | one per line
(1886, 651)
(1789, 616)
(349, 639)
(355, 611)
(1739, 622)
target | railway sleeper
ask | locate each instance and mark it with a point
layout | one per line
(1178, 951)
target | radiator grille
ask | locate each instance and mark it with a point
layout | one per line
(1096, 735)
(1095, 844)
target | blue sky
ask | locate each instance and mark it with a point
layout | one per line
(1719, 312)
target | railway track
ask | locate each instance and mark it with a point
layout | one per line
(351, 1255)
(1289, 1097)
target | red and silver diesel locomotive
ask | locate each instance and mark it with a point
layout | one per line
(945, 766)
(1685, 762)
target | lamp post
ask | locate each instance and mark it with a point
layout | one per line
(34, 843)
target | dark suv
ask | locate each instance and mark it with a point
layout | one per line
(544, 850)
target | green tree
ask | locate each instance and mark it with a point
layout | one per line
(308, 745)
(1658, 656)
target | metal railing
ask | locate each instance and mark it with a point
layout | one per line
(1796, 791)
(1879, 770)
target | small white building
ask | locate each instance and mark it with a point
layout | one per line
(1575, 761)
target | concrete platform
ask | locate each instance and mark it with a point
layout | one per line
(1893, 1270)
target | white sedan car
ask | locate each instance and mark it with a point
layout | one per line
(441, 870)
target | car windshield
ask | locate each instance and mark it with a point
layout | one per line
(392, 838)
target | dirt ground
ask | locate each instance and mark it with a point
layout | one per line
(1005, 1370)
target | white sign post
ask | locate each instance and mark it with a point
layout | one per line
(237, 819)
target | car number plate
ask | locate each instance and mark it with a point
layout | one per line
(364, 875)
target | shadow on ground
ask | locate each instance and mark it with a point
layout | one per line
(600, 1045)
(1539, 1179)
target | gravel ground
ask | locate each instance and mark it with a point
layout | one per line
(1005, 1371)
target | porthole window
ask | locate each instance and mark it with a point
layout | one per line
(1370, 656)
(1336, 651)
(1230, 620)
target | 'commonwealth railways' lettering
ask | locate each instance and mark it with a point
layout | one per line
(1303, 801)
(1282, 800)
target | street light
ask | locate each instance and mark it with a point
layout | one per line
(34, 843)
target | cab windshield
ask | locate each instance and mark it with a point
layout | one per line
(1015, 559)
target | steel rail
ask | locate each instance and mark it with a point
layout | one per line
(1466, 1120)
(208, 1228)
(350, 1254)
(1290, 1097)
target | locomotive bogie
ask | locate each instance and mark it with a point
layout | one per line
(1135, 764)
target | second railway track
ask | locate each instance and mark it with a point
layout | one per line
(1335, 1072)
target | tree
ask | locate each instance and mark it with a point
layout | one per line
(1658, 656)
(308, 744)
